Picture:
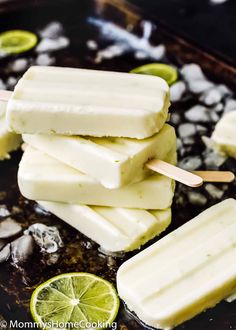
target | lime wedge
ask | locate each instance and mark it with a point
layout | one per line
(167, 72)
(75, 299)
(17, 41)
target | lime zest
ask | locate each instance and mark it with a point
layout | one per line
(164, 71)
(17, 41)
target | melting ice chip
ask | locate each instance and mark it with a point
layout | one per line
(230, 105)
(5, 253)
(22, 248)
(9, 228)
(47, 44)
(44, 59)
(192, 71)
(20, 65)
(48, 238)
(177, 90)
(127, 41)
(52, 30)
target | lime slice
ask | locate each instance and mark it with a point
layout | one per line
(75, 299)
(167, 72)
(17, 41)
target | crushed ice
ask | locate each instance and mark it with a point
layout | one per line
(20, 65)
(47, 238)
(215, 192)
(190, 163)
(4, 211)
(5, 253)
(177, 91)
(230, 105)
(186, 130)
(197, 198)
(53, 38)
(92, 44)
(49, 45)
(9, 228)
(124, 41)
(44, 59)
(52, 30)
(22, 248)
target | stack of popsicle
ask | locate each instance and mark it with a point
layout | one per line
(89, 135)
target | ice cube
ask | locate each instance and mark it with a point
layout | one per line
(201, 129)
(44, 59)
(230, 105)
(92, 44)
(48, 45)
(20, 65)
(9, 228)
(199, 86)
(197, 198)
(5, 254)
(192, 71)
(211, 96)
(52, 30)
(213, 160)
(4, 211)
(175, 118)
(190, 163)
(22, 248)
(48, 238)
(198, 113)
(186, 130)
(213, 191)
(177, 90)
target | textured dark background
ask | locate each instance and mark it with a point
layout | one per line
(211, 25)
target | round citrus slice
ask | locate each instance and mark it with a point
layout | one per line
(75, 300)
(167, 72)
(17, 41)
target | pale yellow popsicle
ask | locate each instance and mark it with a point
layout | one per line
(186, 272)
(224, 135)
(41, 177)
(114, 229)
(73, 101)
(114, 162)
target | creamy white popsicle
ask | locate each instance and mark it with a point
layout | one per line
(114, 229)
(184, 273)
(41, 177)
(114, 162)
(73, 101)
(224, 135)
(8, 141)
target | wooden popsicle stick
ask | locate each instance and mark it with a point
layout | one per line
(215, 176)
(176, 173)
(5, 95)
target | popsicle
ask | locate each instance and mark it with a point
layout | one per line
(73, 101)
(114, 229)
(224, 135)
(184, 273)
(41, 177)
(114, 162)
(8, 141)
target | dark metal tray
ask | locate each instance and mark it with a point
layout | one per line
(80, 253)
